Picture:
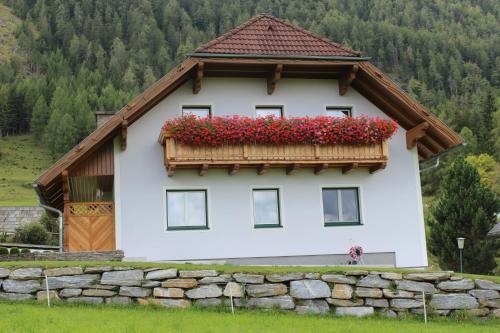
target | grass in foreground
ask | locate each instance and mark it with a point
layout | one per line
(21, 161)
(79, 318)
(224, 268)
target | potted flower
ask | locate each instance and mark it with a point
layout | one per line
(355, 254)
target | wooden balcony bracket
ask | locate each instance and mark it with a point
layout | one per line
(124, 134)
(347, 79)
(349, 167)
(416, 133)
(274, 78)
(262, 169)
(320, 168)
(377, 167)
(197, 77)
(203, 169)
(171, 170)
(290, 170)
(233, 169)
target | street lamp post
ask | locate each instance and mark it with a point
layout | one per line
(460, 243)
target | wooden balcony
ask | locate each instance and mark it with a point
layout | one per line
(262, 157)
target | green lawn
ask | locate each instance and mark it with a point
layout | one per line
(78, 318)
(21, 161)
(222, 268)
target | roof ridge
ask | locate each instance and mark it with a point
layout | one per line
(258, 17)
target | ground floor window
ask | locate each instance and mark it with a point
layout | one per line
(341, 206)
(266, 208)
(186, 209)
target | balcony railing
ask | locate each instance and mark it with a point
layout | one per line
(233, 157)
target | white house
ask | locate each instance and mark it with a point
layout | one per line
(124, 188)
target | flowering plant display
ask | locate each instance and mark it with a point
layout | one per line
(356, 252)
(321, 130)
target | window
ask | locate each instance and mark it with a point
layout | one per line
(186, 209)
(266, 111)
(338, 111)
(198, 111)
(341, 206)
(266, 210)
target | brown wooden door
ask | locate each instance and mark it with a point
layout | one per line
(90, 227)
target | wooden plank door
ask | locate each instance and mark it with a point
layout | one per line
(90, 227)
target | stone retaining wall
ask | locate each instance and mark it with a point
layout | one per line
(65, 256)
(357, 293)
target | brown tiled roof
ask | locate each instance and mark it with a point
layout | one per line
(266, 35)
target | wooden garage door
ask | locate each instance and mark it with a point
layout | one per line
(90, 226)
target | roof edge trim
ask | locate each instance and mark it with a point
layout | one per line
(269, 56)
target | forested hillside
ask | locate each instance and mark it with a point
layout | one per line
(81, 56)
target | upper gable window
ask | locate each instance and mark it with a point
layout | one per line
(338, 111)
(198, 111)
(266, 111)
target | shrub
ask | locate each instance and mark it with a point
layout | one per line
(25, 250)
(4, 250)
(14, 250)
(32, 233)
(323, 130)
(49, 223)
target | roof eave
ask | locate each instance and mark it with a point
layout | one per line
(275, 56)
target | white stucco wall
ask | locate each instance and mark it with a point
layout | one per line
(390, 200)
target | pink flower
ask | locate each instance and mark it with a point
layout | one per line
(218, 131)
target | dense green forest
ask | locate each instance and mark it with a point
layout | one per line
(81, 56)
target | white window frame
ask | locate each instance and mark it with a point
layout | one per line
(361, 214)
(207, 227)
(190, 106)
(269, 106)
(278, 206)
(330, 106)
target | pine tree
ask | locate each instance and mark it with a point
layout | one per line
(39, 117)
(465, 208)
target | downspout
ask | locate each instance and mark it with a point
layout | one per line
(60, 217)
(438, 157)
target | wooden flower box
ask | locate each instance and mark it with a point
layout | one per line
(263, 157)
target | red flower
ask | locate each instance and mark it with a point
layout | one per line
(218, 131)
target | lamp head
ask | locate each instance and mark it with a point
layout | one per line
(460, 242)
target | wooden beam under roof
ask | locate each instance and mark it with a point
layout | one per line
(347, 79)
(124, 134)
(198, 76)
(274, 78)
(416, 133)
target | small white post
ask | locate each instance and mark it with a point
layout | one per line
(425, 309)
(231, 297)
(47, 290)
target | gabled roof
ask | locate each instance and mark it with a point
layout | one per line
(266, 35)
(369, 81)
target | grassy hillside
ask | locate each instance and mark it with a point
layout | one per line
(21, 160)
(8, 25)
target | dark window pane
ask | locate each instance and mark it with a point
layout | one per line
(266, 209)
(330, 205)
(349, 205)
